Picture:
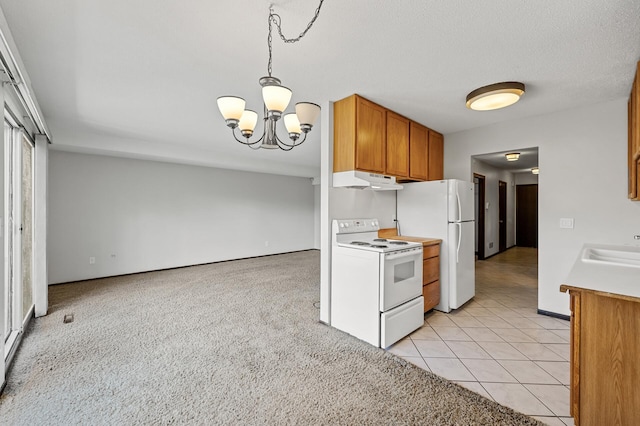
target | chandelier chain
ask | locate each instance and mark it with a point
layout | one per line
(277, 20)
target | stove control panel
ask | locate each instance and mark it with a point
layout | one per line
(348, 226)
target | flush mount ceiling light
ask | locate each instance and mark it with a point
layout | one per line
(512, 156)
(495, 96)
(276, 99)
(535, 171)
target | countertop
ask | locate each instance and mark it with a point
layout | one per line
(623, 280)
(391, 233)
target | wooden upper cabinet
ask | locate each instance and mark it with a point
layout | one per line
(436, 156)
(370, 138)
(418, 151)
(397, 145)
(634, 138)
(371, 127)
(359, 135)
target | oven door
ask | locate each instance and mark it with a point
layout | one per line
(400, 277)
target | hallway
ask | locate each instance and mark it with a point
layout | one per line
(497, 344)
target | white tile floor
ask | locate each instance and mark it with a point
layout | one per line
(498, 346)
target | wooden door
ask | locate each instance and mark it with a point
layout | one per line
(397, 163)
(371, 125)
(502, 216)
(436, 156)
(418, 151)
(479, 187)
(527, 215)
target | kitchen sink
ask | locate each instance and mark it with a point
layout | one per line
(613, 255)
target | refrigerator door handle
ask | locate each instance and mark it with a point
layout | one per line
(459, 205)
(459, 225)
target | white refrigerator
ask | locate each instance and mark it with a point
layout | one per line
(444, 209)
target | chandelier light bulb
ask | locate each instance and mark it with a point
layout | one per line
(276, 98)
(307, 113)
(231, 108)
(248, 122)
(292, 123)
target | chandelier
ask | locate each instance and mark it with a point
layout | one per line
(276, 98)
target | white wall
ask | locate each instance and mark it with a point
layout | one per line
(526, 179)
(137, 215)
(491, 215)
(583, 175)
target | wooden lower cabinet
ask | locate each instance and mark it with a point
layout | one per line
(605, 358)
(431, 275)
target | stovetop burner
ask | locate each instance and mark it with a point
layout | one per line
(360, 243)
(380, 240)
(378, 246)
(399, 243)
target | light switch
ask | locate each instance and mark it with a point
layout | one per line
(566, 223)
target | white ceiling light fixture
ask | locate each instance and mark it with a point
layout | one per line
(535, 171)
(276, 98)
(495, 96)
(512, 156)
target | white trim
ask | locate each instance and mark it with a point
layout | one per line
(40, 189)
(326, 171)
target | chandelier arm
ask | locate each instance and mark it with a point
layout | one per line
(233, 132)
(289, 146)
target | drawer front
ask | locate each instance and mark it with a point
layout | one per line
(430, 270)
(431, 294)
(431, 251)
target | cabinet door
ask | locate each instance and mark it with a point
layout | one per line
(430, 270)
(431, 294)
(397, 145)
(436, 156)
(634, 138)
(418, 151)
(371, 125)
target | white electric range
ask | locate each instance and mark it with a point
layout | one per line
(376, 283)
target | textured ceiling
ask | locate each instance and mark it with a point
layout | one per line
(140, 78)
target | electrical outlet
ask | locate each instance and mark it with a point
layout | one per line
(566, 223)
(92, 260)
(490, 245)
(67, 318)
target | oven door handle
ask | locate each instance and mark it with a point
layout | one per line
(392, 256)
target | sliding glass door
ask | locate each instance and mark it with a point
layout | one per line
(17, 234)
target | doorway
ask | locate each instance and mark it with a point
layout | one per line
(527, 215)
(480, 188)
(502, 216)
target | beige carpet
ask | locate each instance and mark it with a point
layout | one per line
(228, 343)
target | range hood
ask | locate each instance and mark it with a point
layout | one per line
(365, 180)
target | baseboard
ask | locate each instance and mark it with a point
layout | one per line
(554, 315)
(180, 267)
